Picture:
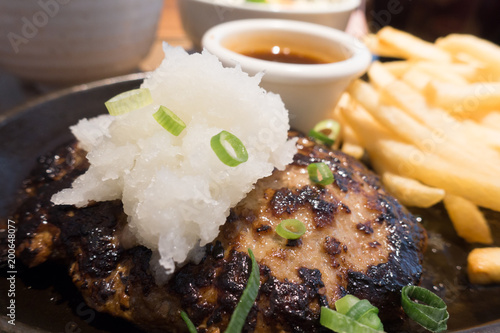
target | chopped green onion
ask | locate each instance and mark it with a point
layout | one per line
(129, 101)
(326, 132)
(341, 323)
(247, 299)
(352, 316)
(360, 309)
(189, 323)
(432, 315)
(291, 229)
(219, 145)
(324, 171)
(169, 120)
(345, 303)
(366, 314)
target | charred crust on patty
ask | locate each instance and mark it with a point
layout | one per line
(119, 280)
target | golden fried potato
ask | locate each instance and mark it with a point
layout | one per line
(464, 98)
(484, 51)
(381, 48)
(410, 192)
(353, 150)
(483, 265)
(411, 47)
(430, 123)
(468, 220)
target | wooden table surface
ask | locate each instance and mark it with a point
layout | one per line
(169, 30)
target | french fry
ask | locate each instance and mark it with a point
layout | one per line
(430, 124)
(370, 133)
(483, 265)
(484, 51)
(406, 160)
(453, 147)
(442, 123)
(411, 192)
(411, 47)
(380, 48)
(397, 68)
(491, 120)
(441, 75)
(380, 76)
(467, 98)
(353, 150)
(387, 154)
(348, 134)
(416, 79)
(450, 71)
(468, 220)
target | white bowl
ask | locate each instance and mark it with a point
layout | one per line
(200, 15)
(310, 92)
(75, 41)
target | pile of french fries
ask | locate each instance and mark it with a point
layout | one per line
(430, 124)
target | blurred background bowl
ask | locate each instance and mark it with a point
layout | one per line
(63, 42)
(200, 15)
(430, 19)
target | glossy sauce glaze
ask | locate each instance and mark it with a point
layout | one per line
(289, 56)
(288, 49)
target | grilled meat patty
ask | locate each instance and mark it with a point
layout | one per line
(359, 241)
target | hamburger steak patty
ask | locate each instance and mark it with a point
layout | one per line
(359, 241)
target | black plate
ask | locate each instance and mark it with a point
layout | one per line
(46, 300)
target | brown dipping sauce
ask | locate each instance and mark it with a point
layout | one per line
(288, 56)
(286, 48)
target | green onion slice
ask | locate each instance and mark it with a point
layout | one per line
(326, 132)
(220, 144)
(324, 171)
(129, 101)
(169, 120)
(342, 323)
(345, 303)
(291, 229)
(432, 314)
(247, 299)
(189, 323)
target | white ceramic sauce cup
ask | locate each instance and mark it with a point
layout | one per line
(310, 92)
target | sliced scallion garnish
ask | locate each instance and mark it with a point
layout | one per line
(291, 229)
(190, 326)
(247, 298)
(220, 143)
(341, 323)
(324, 171)
(129, 101)
(169, 120)
(432, 315)
(326, 132)
(352, 315)
(345, 303)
